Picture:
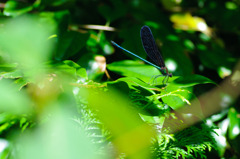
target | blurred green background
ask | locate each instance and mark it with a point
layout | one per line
(67, 92)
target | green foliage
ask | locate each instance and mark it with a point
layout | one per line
(66, 88)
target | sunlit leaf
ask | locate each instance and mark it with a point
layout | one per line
(234, 127)
(171, 5)
(189, 22)
(14, 8)
(224, 72)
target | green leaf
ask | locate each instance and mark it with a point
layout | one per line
(119, 85)
(189, 44)
(25, 125)
(176, 97)
(4, 126)
(134, 69)
(191, 80)
(231, 5)
(133, 81)
(21, 82)
(14, 8)
(69, 67)
(81, 72)
(12, 75)
(23, 120)
(153, 119)
(7, 66)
